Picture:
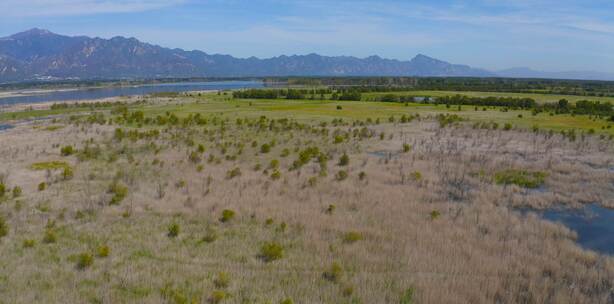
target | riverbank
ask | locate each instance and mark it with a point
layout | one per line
(30, 97)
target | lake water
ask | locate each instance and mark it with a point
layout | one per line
(593, 224)
(5, 127)
(100, 93)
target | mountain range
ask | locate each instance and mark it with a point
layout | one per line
(41, 54)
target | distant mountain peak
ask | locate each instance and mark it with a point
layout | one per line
(41, 53)
(33, 32)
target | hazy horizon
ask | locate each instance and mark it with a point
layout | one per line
(494, 35)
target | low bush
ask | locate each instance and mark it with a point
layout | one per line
(227, 215)
(67, 173)
(407, 297)
(42, 186)
(222, 280)
(52, 165)
(522, 178)
(352, 237)
(210, 235)
(333, 273)
(274, 164)
(270, 252)
(265, 148)
(17, 191)
(4, 228)
(85, 260)
(173, 230)
(217, 296)
(276, 175)
(28, 243)
(49, 237)
(119, 192)
(67, 151)
(348, 291)
(435, 214)
(103, 251)
(341, 175)
(344, 160)
(406, 148)
(233, 173)
(330, 209)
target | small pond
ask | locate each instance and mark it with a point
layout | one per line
(5, 127)
(593, 224)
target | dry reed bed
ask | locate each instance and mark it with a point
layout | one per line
(449, 233)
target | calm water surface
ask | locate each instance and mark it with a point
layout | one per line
(129, 91)
(593, 224)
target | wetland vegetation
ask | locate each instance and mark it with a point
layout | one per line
(330, 196)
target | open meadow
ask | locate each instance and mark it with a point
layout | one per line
(203, 198)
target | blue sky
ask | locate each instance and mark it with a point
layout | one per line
(493, 34)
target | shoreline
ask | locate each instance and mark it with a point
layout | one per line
(46, 105)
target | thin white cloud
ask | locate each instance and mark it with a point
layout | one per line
(30, 8)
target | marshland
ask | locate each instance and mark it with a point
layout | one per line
(249, 196)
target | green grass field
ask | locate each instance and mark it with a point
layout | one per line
(540, 98)
(309, 110)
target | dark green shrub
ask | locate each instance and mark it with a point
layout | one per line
(330, 209)
(333, 273)
(222, 280)
(67, 151)
(103, 251)
(276, 175)
(49, 237)
(173, 230)
(265, 148)
(2, 190)
(227, 215)
(282, 227)
(362, 175)
(287, 301)
(522, 178)
(119, 192)
(435, 214)
(67, 173)
(348, 291)
(233, 173)
(341, 175)
(312, 181)
(17, 191)
(270, 252)
(28, 243)
(407, 297)
(42, 186)
(406, 148)
(85, 260)
(217, 296)
(352, 237)
(274, 164)
(344, 160)
(194, 157)
(4, 228)
(210, 235)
